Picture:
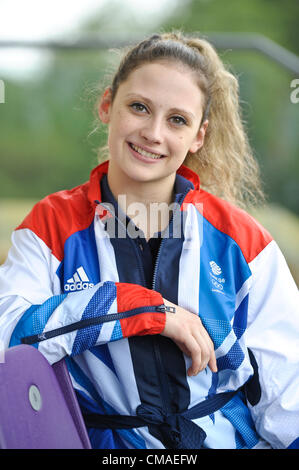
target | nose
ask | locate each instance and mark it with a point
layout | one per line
(152, 131)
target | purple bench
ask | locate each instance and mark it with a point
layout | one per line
(38, 405)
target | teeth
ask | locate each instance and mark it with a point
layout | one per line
(146, 154)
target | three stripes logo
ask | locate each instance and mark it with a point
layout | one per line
(79, 281)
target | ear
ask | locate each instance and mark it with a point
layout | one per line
(199, 139)
(105, 106)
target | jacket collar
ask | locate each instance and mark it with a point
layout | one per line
(94, 190)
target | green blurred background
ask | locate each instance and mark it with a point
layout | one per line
(47, 138)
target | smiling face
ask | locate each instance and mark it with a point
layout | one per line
(153, 122)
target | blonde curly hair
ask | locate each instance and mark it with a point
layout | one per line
(225, 163)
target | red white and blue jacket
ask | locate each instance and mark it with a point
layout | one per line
(73, 291)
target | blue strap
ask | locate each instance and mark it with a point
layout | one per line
(178, 430)
(209, 406)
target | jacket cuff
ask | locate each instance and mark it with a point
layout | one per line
(131, 296)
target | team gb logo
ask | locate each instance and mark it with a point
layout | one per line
(215, 268)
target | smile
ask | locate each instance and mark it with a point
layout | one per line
(145, 153)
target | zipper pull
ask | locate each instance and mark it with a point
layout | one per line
(165, 308)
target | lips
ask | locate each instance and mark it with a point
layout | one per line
(145, 152)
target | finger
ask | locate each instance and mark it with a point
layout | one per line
(210, 357)
(195, 354)
(190, 348)
(206, 352)
(212, 362)
(195, 346)
(183, 348)
(206, 335)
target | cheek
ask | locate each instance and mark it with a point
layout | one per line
(184, 143)
(122, 125)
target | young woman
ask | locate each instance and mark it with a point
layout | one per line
(174, 309)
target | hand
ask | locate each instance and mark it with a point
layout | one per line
(188, 333)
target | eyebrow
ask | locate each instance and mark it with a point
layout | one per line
(172, 110)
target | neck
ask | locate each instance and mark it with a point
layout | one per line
(146, 203)
(138, 191)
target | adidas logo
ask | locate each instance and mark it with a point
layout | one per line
(79, 281)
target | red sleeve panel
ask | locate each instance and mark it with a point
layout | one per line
(131, 296)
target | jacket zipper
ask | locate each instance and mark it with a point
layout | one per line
(180, 201)
(157, 353)
(164, 384)
(140, 267)
(79, 325)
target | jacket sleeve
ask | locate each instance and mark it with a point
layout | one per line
(273, 337)
(67, 324)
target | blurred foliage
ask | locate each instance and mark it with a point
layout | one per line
(271, 118)
(47, 141)
(275, 19)
(45, 123)
(12, 212)
(45, 126)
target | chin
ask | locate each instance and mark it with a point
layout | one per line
(142, 174)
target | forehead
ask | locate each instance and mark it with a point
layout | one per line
(166, 83)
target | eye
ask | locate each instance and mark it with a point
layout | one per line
(178, 120)
(139, 107)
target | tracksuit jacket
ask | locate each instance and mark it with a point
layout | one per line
(75, 285)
